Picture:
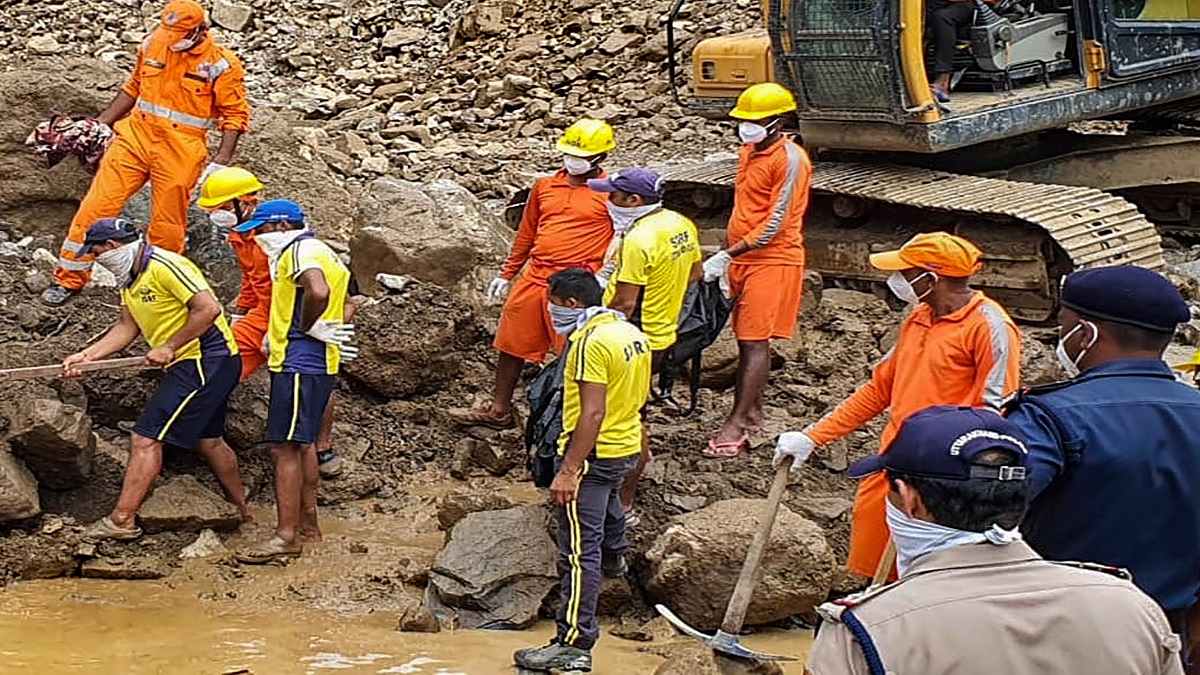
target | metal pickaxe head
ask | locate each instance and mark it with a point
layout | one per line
(720, 641)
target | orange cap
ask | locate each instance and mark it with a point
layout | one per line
(939, 252)
(181, 16)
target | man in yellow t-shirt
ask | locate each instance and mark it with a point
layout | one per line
(165, 299)
(657, 258)
(308, 338)
(606, 379)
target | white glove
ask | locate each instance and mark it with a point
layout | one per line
(496, 289)
(266, 346)
(332, 332)
(717, 266)
(209, 170)
(794, 444)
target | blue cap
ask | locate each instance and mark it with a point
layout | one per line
(943, 440)
(106, 230)
(635, 181)
(274, 211)
(1126, 294)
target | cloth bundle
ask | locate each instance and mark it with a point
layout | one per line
(84, 137)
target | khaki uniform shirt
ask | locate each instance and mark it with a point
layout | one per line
(982, 609)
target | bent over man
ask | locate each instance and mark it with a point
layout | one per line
(308, 340)
(565, 225)
(956, 347)
(165, 299)
(973, 598)
(182, 85)
(605, 383)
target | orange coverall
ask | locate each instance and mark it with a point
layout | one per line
(563, 226)
(254, 299)
(179, 96)
(770, 198)
(970, 357)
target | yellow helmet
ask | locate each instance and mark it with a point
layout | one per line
(226, 184)
(587, 138)
(764, 100)
(1190, 366)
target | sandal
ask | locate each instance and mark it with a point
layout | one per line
(105, 528)
(727, 449)
(475, 417)
(269, 551)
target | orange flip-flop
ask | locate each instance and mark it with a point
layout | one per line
(727, 449)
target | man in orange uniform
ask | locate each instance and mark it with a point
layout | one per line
(183, 85)
(230, 195)
(566, 224)
(956, 347)
(762, 263)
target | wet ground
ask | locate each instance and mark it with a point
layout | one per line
(333, 610)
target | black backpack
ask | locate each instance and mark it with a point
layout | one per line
(703, 316)
(545, 423)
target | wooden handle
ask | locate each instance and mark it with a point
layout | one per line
(884, 569)
(56, 369)
(739, 602)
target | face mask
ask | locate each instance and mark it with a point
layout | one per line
(565, 319)
(193, 38)
(625, 216)
(754, 133)
(915, 538)
(273, 243)
(119, 261)
(1071, 365)
(903, 288)
(223, 221)
(577, 166)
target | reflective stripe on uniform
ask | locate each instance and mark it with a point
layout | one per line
(71, 246)
(993, 388)
(74, 265)
(218, 68)
(174, 115)
(780, 208)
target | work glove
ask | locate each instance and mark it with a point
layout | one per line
(209, 170)
(266, 346)
(717, 268)
(335, 333)
(794, 444)
(496, 290)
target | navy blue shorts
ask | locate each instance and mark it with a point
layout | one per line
(298, 402)
(190, 401)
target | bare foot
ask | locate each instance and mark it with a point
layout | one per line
(730, 433)
(310, 529)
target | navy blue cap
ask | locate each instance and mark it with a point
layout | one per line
(943, 440)
(1126, 294)
(106, 230)
(274, 211)
(635, 181)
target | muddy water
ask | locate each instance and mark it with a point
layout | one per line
(331, 611)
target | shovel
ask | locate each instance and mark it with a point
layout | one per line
(726, 638)
(56, 369)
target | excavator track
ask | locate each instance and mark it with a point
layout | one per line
(1031, 234)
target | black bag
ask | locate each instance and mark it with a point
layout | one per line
(545, 423)
(703, 316)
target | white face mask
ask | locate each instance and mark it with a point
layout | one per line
(915, 538)
(751, 132)
(223, 221)
(119, 261)
(903, 288)
(1071, 365)
(183, 45)
(625, 216)
(564, 318)
(273, 243)
(577, 166)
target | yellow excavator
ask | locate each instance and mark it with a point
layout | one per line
(1072, 132)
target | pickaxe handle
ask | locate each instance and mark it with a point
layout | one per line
(56, 369)
(739, 602)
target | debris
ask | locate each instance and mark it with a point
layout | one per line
(182, 504)
(18, 489)
(231, 15)
(134, 568)
(207, 544)
(55, 440)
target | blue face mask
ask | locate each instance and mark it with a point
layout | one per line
(565, 319)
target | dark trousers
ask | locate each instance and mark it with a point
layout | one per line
(589, 529)
(943, 18)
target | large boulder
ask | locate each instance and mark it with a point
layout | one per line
(56, 441)
(497, 568)
(694, 564)
(182, 504)
(18, 489)
(435, 232)
(413, 342)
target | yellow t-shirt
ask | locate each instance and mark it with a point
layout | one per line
(658, 253)
(614, 353)
(158, 301)
(292, 350)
